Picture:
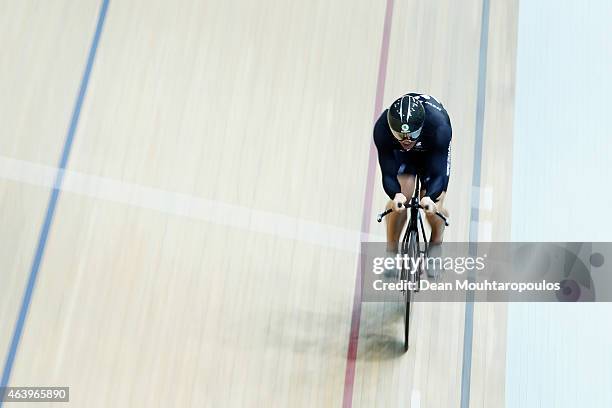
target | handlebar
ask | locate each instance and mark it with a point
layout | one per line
(383, 214)
(389, 211)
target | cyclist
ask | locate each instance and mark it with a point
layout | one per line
(413, 137)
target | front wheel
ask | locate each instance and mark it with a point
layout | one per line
(411, 248)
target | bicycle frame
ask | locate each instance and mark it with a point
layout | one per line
(415, 223)
(412, 229)
(416, 219)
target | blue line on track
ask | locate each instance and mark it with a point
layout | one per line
(468, 332)
(44, 233)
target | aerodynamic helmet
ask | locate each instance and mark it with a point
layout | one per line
(406, 116)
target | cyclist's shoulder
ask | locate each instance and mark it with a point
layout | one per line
(381, 125)
(383, 139)
(436, 115)
(431, 104)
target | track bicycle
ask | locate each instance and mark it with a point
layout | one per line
(414, 245)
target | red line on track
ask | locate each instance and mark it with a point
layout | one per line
(351, 357)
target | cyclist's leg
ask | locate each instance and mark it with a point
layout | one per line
(397, 220)
(395, 223)
(438, 172)
(436, 223)
(406, 178)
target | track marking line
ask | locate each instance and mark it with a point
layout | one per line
(53, 199)
(184, 205)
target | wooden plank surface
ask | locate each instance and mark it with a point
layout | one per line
(261, 112)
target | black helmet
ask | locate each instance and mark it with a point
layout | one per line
(406, 117)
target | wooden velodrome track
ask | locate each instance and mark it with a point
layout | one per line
(198, 246)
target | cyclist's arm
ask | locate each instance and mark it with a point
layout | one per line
(386, 158)
(439, 162)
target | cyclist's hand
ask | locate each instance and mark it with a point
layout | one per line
(428, 205)
(397, 200)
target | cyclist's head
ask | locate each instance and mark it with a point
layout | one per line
(406, 117)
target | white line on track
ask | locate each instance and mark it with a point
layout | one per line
(185, 205)
(415, 399)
